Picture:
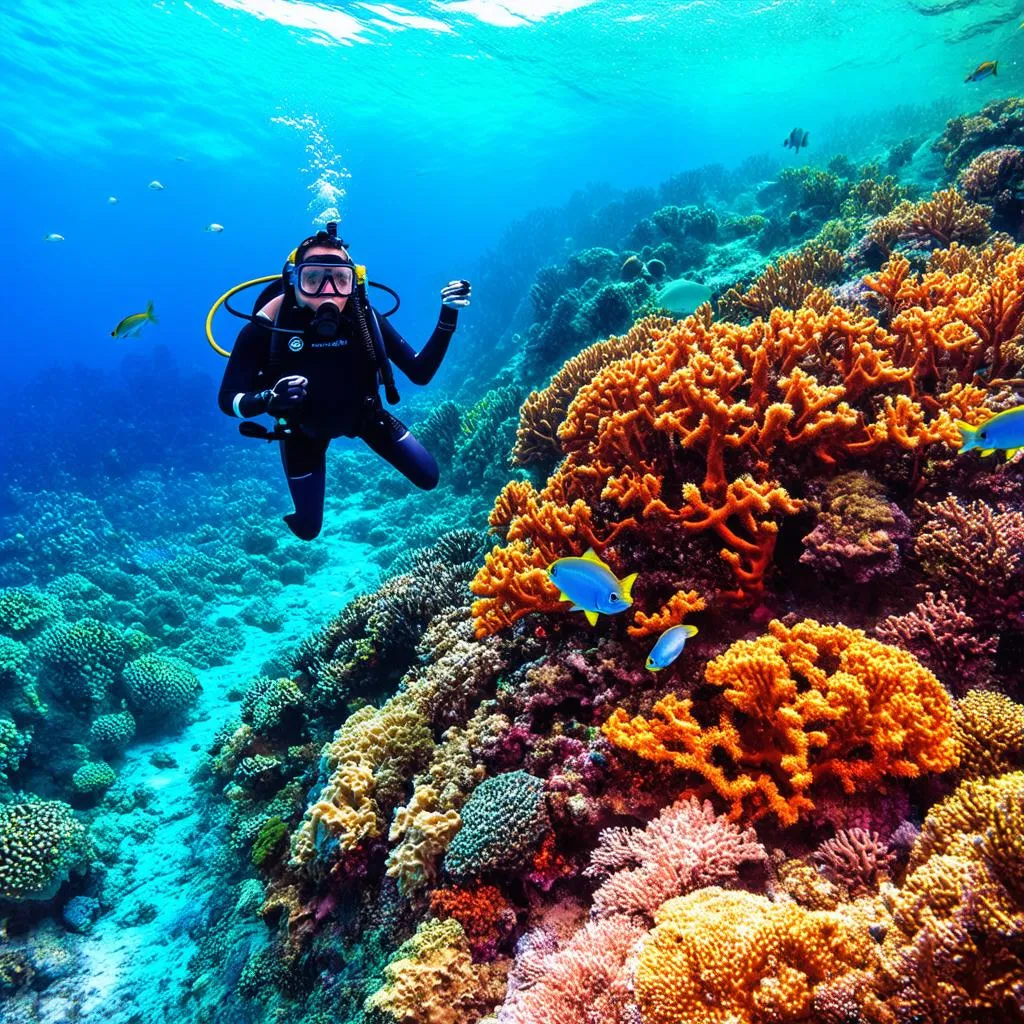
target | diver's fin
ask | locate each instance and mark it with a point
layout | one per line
(690, 630)
(591, 616)
(627, 585)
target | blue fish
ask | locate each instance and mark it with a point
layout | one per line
(669, 646)
(591, 585)
(982, 71)
(1003, 432)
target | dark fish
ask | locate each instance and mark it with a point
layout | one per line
(797, 139)
(982, 71)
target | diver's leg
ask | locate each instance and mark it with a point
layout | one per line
(304, 460)
(391, 440)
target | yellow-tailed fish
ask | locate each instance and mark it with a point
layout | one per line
(669, 646)
(130, 326)
(982, 71)
(591, 585)
(1004, 432)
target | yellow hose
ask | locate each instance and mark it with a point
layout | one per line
(227, 295)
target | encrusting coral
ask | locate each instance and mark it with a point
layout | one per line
(799, 702)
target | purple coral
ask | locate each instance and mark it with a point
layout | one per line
(855, 858)
(686, 847)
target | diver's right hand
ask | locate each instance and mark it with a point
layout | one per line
(287, 394)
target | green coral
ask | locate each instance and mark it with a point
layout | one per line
(24, 610)
(93, 777)
(503, 823)
(113, 732)
(81, 660)
(268, 840)
(40, 844)
(14, 744)
(157, 685)
(269, 703)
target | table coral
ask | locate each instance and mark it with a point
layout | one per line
(802, 705)
(721, 957)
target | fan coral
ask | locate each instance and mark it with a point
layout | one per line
(717, 956)
(989, 734)
(40, 845)
(858, 534)
(802, 704)
(855, 859)
(686, 847)
(785, 284)
(503, 822)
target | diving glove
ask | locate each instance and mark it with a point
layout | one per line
(455, 294)
(287, 394)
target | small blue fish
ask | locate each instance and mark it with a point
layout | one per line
(982, 71)
(591, 585)
(669, 646)
(1003, 432)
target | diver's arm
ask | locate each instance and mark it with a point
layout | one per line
(238, 395)
(421, 366)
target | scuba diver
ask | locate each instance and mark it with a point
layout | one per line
(313, 355)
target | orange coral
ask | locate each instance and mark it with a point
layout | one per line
(947, 217)
(694, 433)
(803, 704)
(484, 913)
(721, 957)
(680, 606)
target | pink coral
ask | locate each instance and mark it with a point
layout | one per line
(686, 847)
(584, 981)
(941, 635)
(855, 858)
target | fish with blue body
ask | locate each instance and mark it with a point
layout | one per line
(1003, 432)
(669, 646)
(130, 326)
(982, 71)
(591, 585)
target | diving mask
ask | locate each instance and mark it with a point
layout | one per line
(325, 275)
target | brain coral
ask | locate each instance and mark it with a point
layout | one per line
(503, 822)
(802, 704)
(40, 844)
(159, 686)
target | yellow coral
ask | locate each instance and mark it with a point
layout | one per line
(721, 957)
(989, 733)
(423, 832)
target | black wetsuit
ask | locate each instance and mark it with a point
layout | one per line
(341, 400)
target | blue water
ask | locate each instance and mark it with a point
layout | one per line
(474, 139)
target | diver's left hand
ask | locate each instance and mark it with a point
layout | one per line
(455, 294)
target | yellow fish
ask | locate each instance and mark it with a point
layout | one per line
(130, 326)
(982, 71)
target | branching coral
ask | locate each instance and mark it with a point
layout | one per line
(717, 956)
(543, 411)
(487, 918)
(686, 847)
(737, 409)
(786, 283)
(941, 635)
(945, 218)
(856, 859)
(802, 705)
